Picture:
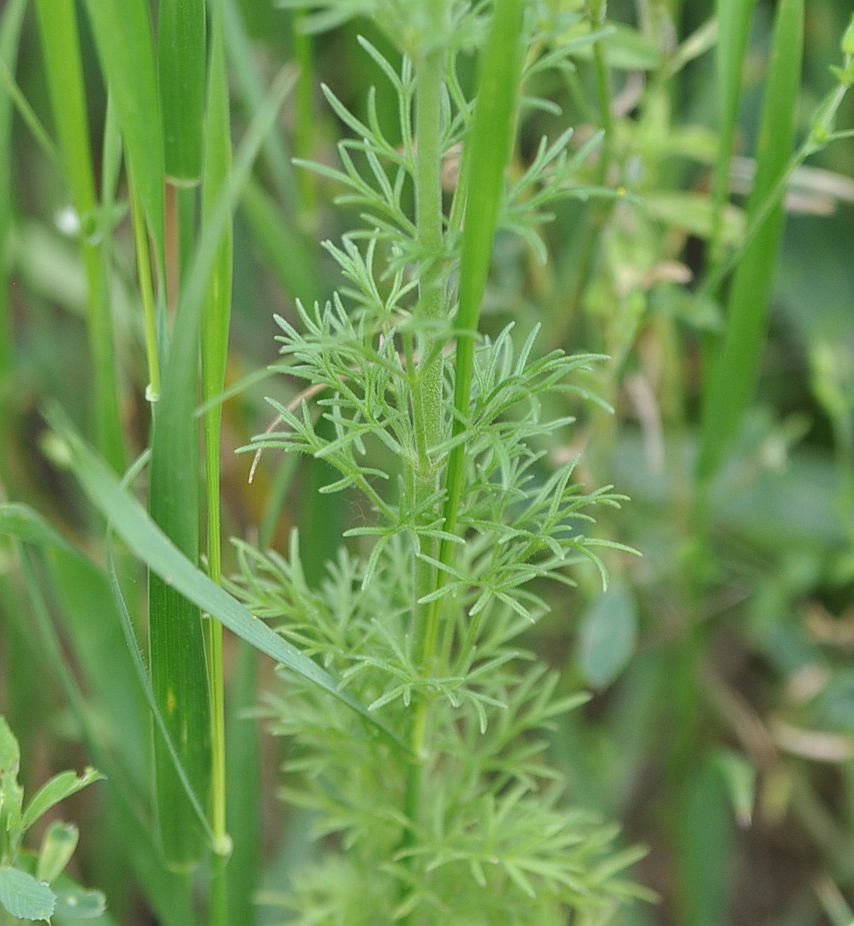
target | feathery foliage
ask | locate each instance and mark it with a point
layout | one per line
(475, 828)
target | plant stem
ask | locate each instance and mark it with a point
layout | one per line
(427, 394)
(427, 402)
(598, 12)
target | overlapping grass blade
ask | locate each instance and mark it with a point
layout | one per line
(181, 61)
(63, 67)
(734, 368)
(131, 522)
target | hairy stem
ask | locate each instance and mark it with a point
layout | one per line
(427, 401)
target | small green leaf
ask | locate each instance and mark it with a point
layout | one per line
(740, 780)
(609, 630)
(22, 896)
(10, 754)
(11, 794)
(57, 789)
(58, 846)
(76, 903)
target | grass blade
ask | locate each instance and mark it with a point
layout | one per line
(131, 522)
(733, 29)
(734, 369)
(63, 67)
(10, 30)
(181, 47)
(244, 790)
(489, 150)
(214, 335)
(123, 37)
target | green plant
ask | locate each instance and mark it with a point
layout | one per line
(466, 519)
(32, 884)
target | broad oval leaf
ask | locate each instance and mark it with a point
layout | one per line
(609, 631)
(24, 897)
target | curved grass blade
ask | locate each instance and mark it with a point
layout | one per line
(133, 524)
(734, 369)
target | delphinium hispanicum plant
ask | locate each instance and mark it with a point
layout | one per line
(442, 431)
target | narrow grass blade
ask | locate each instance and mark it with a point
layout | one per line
(734, 18)
(123, 37)
(214, 335)
(179, 671)
(177, 652)
(131, 522)
(489, 152)
(734, 369)
(58, 27)
(10, 30)
(181, 47)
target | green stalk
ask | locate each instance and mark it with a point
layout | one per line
(427, 393)
(214, 337)
(490, 140)
(427, 385)
(58, 28)
(598, 10)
